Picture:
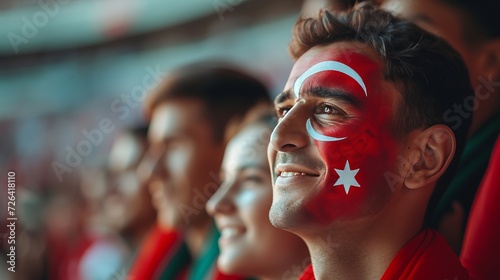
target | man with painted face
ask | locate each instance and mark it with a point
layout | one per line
(362, 151)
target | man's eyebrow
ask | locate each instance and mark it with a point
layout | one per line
(284, 96)
(333, 93)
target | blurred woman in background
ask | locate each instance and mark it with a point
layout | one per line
(249, 244)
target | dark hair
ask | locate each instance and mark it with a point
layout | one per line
(225, 92)
(430, 75)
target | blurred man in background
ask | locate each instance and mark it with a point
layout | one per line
(119, 207)
(127, 203)
(127, 206)
(191, 116)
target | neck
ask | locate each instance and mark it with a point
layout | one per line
(362, 251)
(196, 237)
(290, 267)
(292, 270)
(349, 260)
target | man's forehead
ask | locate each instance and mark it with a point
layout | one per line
(360, 57)
(175, 117)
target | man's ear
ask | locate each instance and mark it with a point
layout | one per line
(431, 153)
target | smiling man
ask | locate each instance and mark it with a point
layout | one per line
(362, 151)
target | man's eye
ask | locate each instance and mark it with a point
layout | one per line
(326, 109)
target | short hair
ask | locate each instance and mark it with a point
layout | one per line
(430, 75)
(224, 91)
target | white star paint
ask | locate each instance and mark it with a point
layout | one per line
(347, 177)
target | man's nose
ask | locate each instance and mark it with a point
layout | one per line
(150, 166)
(290, 133)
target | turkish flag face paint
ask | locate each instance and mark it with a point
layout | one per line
(347, 111)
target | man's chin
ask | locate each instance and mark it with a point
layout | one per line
(166, 221)
(285, 216)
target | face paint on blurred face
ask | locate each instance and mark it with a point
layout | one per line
(356, 149)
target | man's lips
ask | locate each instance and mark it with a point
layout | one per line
(292, 170)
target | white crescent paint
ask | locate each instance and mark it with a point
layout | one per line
(318, 136)
(320, 67)
(328, 66)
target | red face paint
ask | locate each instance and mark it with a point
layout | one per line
(369, 146)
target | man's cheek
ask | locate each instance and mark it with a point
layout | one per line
(355, 149)
(355, 168)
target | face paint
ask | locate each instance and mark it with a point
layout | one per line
(328, 66)
(358, 151)
(318, 136)
(322, 67)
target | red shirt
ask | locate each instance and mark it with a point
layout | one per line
(426, 256)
